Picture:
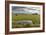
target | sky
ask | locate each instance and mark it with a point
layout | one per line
(26, 10)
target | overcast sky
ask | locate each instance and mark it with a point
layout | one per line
(18, 9)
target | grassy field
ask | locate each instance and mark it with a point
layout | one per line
(35, 19)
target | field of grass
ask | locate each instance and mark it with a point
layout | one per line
(34, 18)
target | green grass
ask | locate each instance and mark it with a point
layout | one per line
(35, 19)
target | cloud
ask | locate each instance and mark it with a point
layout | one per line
(25, 9)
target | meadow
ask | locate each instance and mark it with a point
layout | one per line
(34, 18)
